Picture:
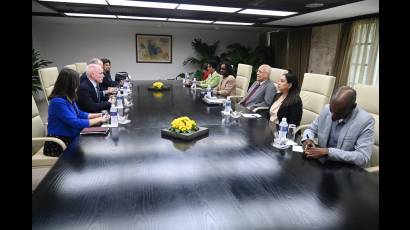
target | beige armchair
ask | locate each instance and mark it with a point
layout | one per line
(80, 67)
(72, 66)
(40, 163)
(368, 99)
(243, 77)
(275, 75)
(315, 93)
(48, 77)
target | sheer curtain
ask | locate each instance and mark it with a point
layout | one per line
(364, 53)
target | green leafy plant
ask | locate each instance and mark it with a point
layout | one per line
(205, 53)
(37, 63)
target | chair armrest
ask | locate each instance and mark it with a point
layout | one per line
(235, 99)
(53, 139)
(301, 127)
(374, 169)
(262, 108)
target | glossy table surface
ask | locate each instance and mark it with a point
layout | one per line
(230, 179)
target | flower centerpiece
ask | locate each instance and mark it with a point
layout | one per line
(183, 125)
(184, 128)
(158, 85)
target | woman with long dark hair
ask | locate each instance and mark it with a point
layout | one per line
(287, 103)
(65, 120)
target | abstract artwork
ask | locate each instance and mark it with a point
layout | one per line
(154, 48)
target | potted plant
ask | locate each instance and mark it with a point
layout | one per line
(37, 63)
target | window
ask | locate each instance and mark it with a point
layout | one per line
(364, 61)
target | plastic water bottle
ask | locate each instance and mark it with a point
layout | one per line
(283, 130)
(114, 116)
(193, 84)
(208, 91)
(227, 105)
(119, 99)
(185, 80)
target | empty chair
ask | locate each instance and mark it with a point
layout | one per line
(243, 77)
(275, 75)
(315, 93)
(48, 77)
(80, 67)
(368, 99)
(40, 163)
(72, 66)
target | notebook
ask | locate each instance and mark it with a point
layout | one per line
(95, 131)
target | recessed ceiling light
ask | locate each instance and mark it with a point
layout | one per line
(98, 2)
(267, 12)
(188, 20)
(161, 5)
(234, 23)
(91, 15)
(141, 18)
(314, 5)
(207, 8)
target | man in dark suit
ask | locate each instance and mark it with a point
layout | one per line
(89, 98)
(262, 91)
(103, 91)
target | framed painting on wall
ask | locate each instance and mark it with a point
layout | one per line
(154, 48)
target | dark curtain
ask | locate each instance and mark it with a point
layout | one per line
(299, 51)
(340, 70)
(278, 41)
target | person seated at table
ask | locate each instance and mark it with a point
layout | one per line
(262, 91)
(287, 103)
(104, 92)
(65, 119)
(205, 71)
(227, 86)
(345, 132)
(89, 98)
(213, 76)
(107, 80)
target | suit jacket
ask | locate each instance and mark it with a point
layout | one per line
(293, 113)
(107, 82)
(355, 140)
(263, 95)
(88, 100)
(227, 86)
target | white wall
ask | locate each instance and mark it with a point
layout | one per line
(68, 40)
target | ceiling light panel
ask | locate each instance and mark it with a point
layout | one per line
(234, 23)
(267, 12)
(91, 15)
(161, 5)
(97, 2)
(142, 18)
(188, 20)
(207, 8)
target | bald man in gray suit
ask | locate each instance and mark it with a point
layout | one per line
(345, 132)
(262, 91)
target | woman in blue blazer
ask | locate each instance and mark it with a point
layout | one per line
(65, 120)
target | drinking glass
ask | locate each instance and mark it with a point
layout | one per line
(291, 132)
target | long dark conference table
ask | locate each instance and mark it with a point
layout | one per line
(230, 179)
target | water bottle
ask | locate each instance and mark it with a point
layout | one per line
(193, 84)
(209, 91)
(283, 130)
(119, 99)
(185, 80)
(227, 105)
(114, 117)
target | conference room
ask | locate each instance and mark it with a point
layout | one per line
(204, 114)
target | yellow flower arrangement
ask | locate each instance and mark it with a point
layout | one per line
(158, 85)
(183, 125)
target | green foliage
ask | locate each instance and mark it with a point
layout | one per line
(205, 53)
(37, 63)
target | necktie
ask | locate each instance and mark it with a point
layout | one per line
(250, 94)
(98, 93)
